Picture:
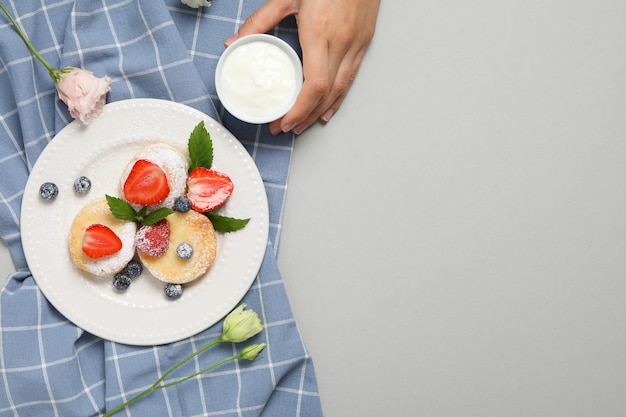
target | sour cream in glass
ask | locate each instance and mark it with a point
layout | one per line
(258, 78)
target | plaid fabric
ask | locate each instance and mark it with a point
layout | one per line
(156, 49)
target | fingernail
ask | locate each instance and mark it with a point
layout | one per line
(299, 129)
(288, 127)
(230, 40)
(326, 116)
(275, 129)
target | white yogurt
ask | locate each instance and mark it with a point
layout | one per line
(258, 78)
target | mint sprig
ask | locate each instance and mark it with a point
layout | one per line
(225, 224)
(121, 209)
(200, 147)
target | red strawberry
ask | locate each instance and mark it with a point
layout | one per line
(208, 189)
(146, 184)
(99, 241)
(154, 239)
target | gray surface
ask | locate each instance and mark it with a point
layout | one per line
(454, 241)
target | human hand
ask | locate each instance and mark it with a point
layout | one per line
(334, 35)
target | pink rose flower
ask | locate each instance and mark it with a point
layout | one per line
(84, 93)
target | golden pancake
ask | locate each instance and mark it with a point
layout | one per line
(97, 212)
(194, 229)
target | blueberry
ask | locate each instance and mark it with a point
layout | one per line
(133, 269)
(82, 185)
(173, 291)
(121, 281)
(48, 191)
(184, 250)
(182, 205)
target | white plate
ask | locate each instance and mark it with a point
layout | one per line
(142, 315)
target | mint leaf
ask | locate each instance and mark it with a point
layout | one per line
(142, 213)
(226, 224)
(157, 216)
(121, 209)
(200, 147)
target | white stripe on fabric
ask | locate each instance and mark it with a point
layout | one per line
(42, 354)
(120, 50)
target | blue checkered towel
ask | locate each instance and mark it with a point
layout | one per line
(155, 49)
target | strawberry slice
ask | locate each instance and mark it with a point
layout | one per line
(146, 184)
(207, 189)
(154, 239)
(99, 240)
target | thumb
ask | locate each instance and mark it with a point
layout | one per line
(264, 18)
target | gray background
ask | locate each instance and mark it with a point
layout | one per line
(454, 240)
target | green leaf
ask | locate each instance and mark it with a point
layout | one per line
(200, 147)
(142, 213)
(121, 209)
(226, 224)
(157, 216)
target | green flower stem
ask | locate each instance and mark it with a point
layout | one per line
(53, 71)
(158, 383)
(238, 326)
(200, 372)
(127, 403)
(187, 359)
